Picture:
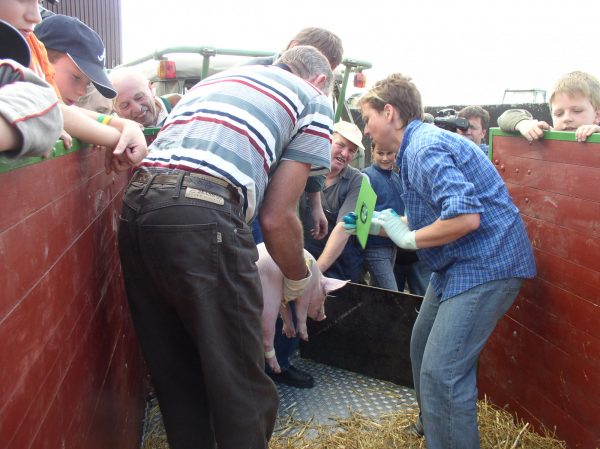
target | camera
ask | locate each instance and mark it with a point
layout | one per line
(448, 120)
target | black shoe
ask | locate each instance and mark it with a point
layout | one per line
(293, 377)
(415, 429)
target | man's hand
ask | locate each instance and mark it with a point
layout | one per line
(350, 223)
(320, 225)
(130, 150)
(532, 129)
(585, 131)
(397, 230)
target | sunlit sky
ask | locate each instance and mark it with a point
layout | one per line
(457, 52)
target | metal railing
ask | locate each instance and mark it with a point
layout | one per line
(208, 52)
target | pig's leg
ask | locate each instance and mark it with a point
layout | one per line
(301, 314)
(288, 323)
(269, 317)
(272, 286)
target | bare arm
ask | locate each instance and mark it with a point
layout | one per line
(124, 139)
(10, 138)
(441, 232)
(279, 220)
(320, 226)
(334, 247)
(87, 129)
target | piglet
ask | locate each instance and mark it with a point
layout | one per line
(311, 303)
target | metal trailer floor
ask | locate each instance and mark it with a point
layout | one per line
(338, 392)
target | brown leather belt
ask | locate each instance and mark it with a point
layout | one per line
(198, 181)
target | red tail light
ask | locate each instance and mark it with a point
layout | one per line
(360, 80)
(166, 69)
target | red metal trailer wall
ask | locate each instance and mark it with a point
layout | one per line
(71, 368)
(543, 360)
(103, 16)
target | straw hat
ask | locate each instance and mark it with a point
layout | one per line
(350, 131)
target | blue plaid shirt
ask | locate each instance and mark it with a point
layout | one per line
(445, 175)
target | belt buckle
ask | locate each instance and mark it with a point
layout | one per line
(204, 195)
(139, 176)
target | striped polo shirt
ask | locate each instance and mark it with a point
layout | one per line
(238, 124)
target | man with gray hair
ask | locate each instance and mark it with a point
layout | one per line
(330, 45)
(240, 140)
(136, 101)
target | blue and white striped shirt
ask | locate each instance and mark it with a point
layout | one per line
(445, 175)
(237, 125)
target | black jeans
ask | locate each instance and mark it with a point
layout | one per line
(196, 303)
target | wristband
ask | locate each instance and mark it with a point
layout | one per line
(104, 119)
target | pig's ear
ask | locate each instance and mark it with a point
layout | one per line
(330, 284)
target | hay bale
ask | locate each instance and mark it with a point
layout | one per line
(497, 427)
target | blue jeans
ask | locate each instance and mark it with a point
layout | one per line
(416, 274)
(380, 263)
(446, 341)
(196, 302)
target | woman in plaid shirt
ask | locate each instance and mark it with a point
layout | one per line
(465, 227)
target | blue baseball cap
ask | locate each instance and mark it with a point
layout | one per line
(71, 36)
(13, 45)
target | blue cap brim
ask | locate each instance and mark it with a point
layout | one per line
(97, 75)
(14, 46)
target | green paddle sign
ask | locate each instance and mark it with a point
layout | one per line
(365, 205)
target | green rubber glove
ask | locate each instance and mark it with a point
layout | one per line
(350, 224)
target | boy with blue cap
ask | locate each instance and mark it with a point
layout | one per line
(126, 147)
(77, 54)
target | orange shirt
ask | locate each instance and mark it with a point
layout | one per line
(40, 63)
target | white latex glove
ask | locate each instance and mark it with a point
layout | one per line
(397, 230)
(293, 289)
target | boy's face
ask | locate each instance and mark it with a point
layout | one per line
(571, 112)
(71, 81)
(384, 159)
(24, 15)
